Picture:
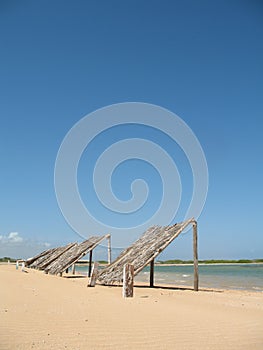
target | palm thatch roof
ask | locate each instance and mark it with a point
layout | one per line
(57, 260)
(142, 252)
(72, 255)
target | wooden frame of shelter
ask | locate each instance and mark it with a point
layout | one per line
(144, 251)
(58, 260)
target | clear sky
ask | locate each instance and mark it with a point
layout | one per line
(202, 60)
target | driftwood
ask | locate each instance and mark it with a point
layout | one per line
(128, 278)
(142, 252)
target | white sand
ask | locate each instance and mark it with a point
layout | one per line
(39, 311)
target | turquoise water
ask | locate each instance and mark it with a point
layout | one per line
(235, 276)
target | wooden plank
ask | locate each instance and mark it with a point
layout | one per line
(195, 251)
(128, 278)
(94, 275)
(152, 273)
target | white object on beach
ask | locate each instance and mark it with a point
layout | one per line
(23, 267)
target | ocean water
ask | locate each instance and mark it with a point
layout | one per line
(234, 276)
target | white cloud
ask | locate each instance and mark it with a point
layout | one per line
(14, 237)
(16, 246)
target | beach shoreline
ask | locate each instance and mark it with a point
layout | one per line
(40, 311)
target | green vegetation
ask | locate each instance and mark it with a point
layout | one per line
(213, 261)
(6, 258)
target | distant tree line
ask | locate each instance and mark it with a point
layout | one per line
(212, 261)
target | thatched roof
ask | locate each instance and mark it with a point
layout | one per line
(42, 262)
(72, 255)
(29, 262)
(142, 252)
(57, 260)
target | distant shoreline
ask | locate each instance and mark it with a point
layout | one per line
(176, 262)
(208, 264)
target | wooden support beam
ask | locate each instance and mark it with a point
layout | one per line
(195, 252)
(152, 273)
(90, 262)
(94, 274)
(128, 278)
(109, 249)
(73, 269)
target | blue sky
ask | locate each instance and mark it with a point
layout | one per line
(61, 60)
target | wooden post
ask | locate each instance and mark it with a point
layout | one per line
(109, 249)
(195, 256)
(90, 262)
(73, 269)
(128, 277)
(94, 274)
(152, 273)
(66, 270)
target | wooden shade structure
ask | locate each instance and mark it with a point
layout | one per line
(145, 250)
(57, 260)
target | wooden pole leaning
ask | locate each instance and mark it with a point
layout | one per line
(128, 280)
(195, 253)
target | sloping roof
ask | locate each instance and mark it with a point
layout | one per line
(73, 254)
(142, 252)
(29, 262)
(42, 262)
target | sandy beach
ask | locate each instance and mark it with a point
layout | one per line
(40, 311)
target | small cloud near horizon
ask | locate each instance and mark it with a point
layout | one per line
(15, 246)
(12, 237)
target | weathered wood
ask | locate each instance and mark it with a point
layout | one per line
(128, 278)
(73, 254)
(90, 263)
(58, 260)
(94, 275)
(73, 269)
(152, 273)
(142, 252)
(195, 253)
(109, 249)
(31, 262)
(43, 261)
